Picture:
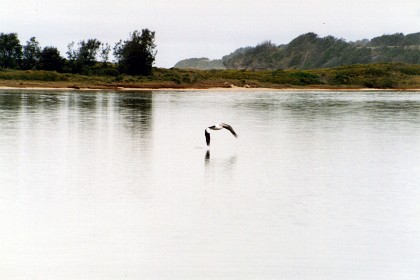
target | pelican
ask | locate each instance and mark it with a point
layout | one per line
(218, 126)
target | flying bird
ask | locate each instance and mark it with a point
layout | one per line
(218, 126)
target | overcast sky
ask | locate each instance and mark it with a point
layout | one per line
(204, 28)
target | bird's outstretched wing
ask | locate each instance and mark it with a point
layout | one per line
(228, 127)
(207, 137)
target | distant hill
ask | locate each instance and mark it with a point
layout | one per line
(309, 51)
(200, 63)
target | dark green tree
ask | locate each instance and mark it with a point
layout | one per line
(71, 52)
(80, 60)
(51, 60)
(10, 50)
(136, 55)
(412, 39)
(388, 40)
(104, 54)
(88, 51)
(31, 54)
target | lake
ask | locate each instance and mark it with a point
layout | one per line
(121, 185)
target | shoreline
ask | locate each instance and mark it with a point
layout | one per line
(126, 89)
(371, 77)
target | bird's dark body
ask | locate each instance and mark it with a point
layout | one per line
(207, 137)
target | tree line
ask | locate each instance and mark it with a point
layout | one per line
(134, 56)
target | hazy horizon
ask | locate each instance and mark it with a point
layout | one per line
(209, 29)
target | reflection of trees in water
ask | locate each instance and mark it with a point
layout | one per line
(132, 109)
(10, 104)
(28, 102)
(10, 101)
(136, 110)
(32, 101)
(82, 107)
(86, 102)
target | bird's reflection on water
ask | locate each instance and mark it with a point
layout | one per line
(207, 157)
(222, 163)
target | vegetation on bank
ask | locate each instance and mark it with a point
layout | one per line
(383, 76)
(135, 56)
(202, 63)
(307, 61)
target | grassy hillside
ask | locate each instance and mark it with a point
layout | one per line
(200, 63)
(385, 76)
(309, 51)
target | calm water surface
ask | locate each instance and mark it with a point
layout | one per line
(103, 185)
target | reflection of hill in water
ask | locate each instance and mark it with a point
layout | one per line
(315, 105)
(330, 108)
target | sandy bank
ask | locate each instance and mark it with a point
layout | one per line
(3, 88)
